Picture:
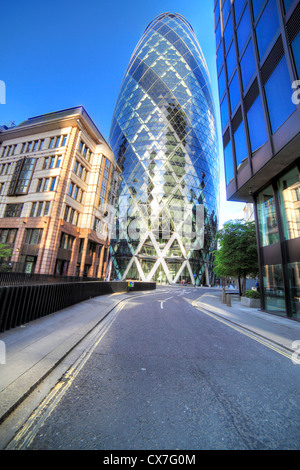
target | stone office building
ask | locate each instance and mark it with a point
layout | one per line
(258, 64)
(58, 178)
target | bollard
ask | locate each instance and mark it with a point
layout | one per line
(228, 300)
(223, 296)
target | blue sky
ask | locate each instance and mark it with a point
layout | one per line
(60, 54)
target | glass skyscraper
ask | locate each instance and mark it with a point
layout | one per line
(163, 134)
(258, 64)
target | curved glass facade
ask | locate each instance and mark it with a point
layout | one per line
(164, 137)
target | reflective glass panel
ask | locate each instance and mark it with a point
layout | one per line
(221, 80)
(229, 173)
(280, 104)
(240, 147)
(287, 4)
(226, 10)
(247, 64)
(243, 30)
(256, 125)
(294, 288)
(234, 92)
(267, 220)
(296, 52)
(289, 197)
(257, 4)
(267, 26)
(230, 60)
(228, 32)
(238, 6)
(224, 112)
(219, 58)
(273, 289)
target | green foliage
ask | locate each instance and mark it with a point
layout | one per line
(5, 251)
(237, 255)
(252, 294)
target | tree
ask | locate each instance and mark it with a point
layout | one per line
(5, 252)
(237, 255)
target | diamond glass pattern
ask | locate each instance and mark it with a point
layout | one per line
(163, 134)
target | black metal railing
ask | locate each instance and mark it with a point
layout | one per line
(18, 278)
(21, 304)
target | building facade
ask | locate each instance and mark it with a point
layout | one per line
(163, 135)
(58, 175)
(258, 65)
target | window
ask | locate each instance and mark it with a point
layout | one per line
(33, 236)
(224, 112)
(71, 215)
(280, 105)
(273, 289)
(39, 185)
(66, 241)
(52, 162)
(229, 173)
(53, 182)
(294, 287)
(267, 27)
(257, 4)
(52, 140)
(64, 140)
(24, 178)
(267, 220)
(240, 147)
(230, 60)
(33, 208)
(219, 58)
(46, 184)
(8, 235)
(256, 125)
(234, 92)
(221, 81)
(13, 210)
(105, 182)
(238, 7)
(228, 32)
(243, 29)
(226, 10)
(70, 193)
(247, 64)
(58, 161)
(47, 208)
(40, 208)
(289, 197)
(287, 4)
(296, 53)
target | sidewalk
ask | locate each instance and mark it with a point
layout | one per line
(33, 350)
(280, 330)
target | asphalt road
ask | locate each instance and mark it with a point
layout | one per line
(161, 374)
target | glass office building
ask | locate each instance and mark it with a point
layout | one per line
(258, 65)
(164, 137)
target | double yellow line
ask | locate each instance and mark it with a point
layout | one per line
(245, 332)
